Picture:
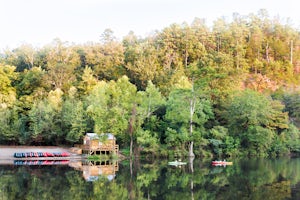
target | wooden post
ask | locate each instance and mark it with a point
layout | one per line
(267, 53)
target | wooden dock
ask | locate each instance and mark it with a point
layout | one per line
(98, 150)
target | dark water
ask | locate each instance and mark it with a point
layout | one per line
(245, 179)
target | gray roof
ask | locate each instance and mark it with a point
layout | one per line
(96, 136)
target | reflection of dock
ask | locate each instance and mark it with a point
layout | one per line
(93, 169)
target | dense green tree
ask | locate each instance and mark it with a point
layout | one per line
(30, 81)
(216, 75)
(150, 101)
(88, 81)
(10, 124)
(45, 119)
(222, 143)
(292, 104)
(7, 91)
(255, 120)
(73, 117)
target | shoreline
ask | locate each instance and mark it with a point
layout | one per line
(7, 152)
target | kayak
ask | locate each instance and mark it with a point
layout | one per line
(221, 163)
(176, 163)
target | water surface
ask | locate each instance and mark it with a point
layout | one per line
(245, 179)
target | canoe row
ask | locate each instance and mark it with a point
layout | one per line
(40, 154)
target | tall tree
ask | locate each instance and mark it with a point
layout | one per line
(62, 61)
(23, 57)
(105, 59)
(112, 106)
(142, 62)
(187, 113)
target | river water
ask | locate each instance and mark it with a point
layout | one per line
(246, 179)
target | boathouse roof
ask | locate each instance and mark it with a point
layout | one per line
(109, 136)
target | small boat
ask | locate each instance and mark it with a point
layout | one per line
(176, 163)
(221, 163)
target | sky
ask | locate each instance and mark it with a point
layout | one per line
(39, 22)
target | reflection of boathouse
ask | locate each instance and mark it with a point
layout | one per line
(94, 144)
(93, 169)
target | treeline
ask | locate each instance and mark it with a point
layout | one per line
(232, 89)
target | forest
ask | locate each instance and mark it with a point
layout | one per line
(231, 89)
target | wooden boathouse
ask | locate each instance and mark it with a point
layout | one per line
(99, 144)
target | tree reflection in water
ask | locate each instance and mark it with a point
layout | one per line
(246, 179)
